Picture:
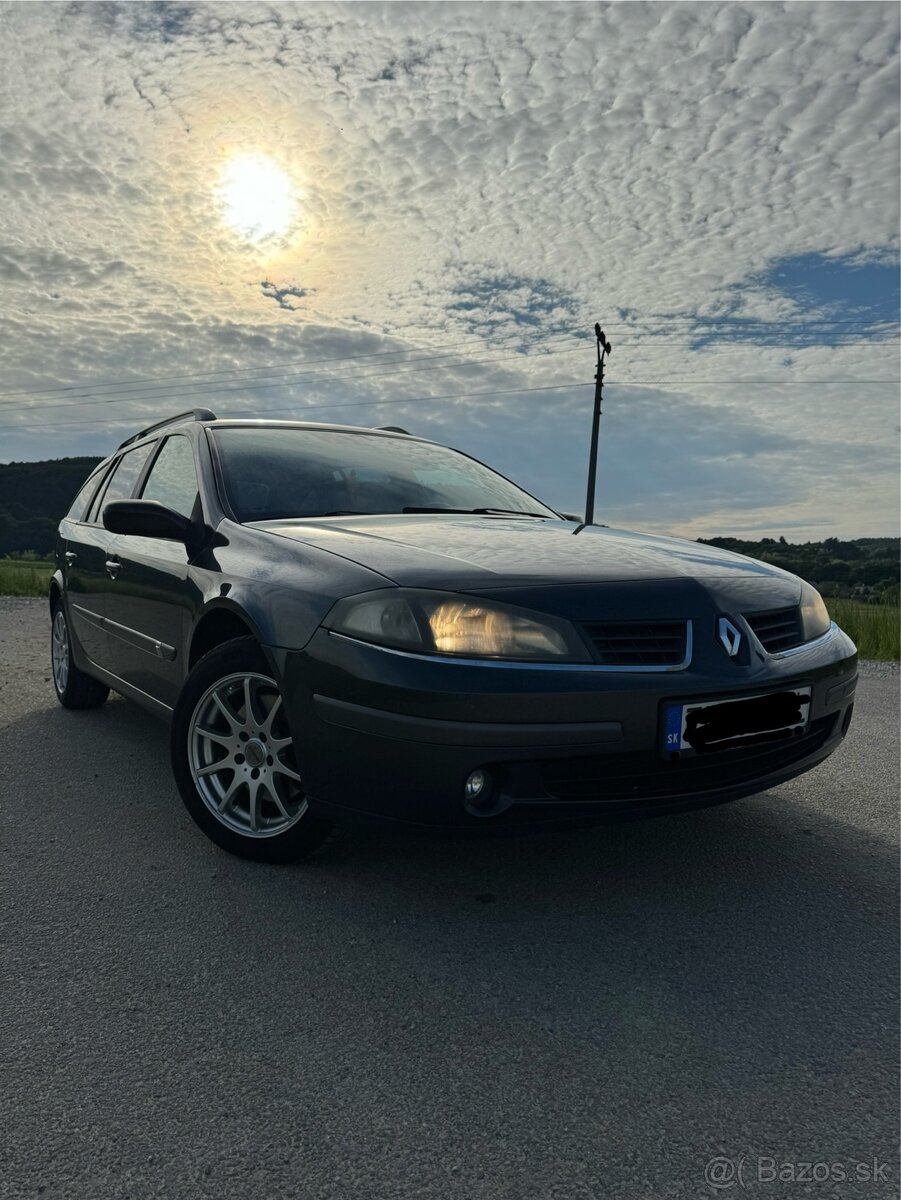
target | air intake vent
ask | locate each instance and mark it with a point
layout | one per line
(637, 643)
(624, 779)
(778, 630)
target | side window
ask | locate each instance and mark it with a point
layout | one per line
(120, 484)
(80, 503)
(173, 477)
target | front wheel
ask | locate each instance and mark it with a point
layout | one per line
(234, 762)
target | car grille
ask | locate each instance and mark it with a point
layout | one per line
(777, 630)
(616, 778)
(637, 643)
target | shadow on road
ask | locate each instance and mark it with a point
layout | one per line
(674, 870)
(721, 978)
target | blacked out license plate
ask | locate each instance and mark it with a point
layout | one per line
(721, 724)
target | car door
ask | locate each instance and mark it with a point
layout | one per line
(149, 607)
(89, 571)
(72, 557)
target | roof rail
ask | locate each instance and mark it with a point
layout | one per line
(193, 414)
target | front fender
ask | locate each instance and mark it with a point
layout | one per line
(276, 615)
(279, 588)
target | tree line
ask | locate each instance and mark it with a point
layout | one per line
(861, 569)
(34, 496)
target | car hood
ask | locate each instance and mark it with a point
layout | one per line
(459, 552)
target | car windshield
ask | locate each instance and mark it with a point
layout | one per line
(275, 472)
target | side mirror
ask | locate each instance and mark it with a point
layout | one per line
(570, 517)
(146, 518)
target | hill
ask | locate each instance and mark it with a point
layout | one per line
(863, 568)
(33, 498)
(35, 495)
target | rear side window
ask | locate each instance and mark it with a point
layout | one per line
(173, 477)
(80, 503)
(121, 482)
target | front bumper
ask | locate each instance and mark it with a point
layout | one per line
(388, 736)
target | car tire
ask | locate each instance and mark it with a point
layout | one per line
(74, 689)
(233, 759)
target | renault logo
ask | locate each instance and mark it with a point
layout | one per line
(729, 636)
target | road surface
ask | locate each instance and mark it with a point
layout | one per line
(585, 1015)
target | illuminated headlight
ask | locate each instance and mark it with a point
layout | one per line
(461, 627)
(815, 620)
(442, 624)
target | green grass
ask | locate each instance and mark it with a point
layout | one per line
(20, 577)
(876, 628)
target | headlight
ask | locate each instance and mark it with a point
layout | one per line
(815, 620)
(443, 624)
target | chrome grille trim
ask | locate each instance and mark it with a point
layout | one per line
(811, 645)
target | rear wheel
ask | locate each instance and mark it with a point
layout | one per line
(74, 689)
(234, 762)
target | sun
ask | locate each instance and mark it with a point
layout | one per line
(258, 199)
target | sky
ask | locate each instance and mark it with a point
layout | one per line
(413, 214)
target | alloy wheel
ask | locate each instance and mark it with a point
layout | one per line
(241, 755)
(59, 651)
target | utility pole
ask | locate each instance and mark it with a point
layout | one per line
(604, 348)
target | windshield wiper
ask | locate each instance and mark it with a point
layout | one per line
(504, 512)
(510, 512)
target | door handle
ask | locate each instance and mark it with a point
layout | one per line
(113, 567)
(70, 557)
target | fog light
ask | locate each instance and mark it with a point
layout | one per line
(475, 785)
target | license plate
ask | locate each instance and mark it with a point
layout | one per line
(722, 724)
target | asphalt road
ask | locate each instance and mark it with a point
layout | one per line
(577, 1016)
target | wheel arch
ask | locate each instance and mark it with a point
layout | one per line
(221, 622)
(55, 591)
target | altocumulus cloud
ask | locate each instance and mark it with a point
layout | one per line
(717, 183)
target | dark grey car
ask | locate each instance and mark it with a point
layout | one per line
(359, 624)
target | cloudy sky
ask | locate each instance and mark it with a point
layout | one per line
(413, 214)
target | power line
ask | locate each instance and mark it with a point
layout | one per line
(549, 388)
(704, 327)
(314, 407)
(153, 382)
(491, 392)
(158, 379)
(753, 322)
(307, 377)
(292, 377)
(778, 382)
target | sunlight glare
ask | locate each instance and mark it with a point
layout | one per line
(257, 197)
